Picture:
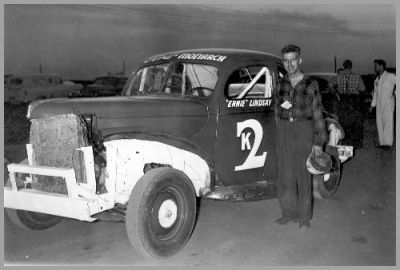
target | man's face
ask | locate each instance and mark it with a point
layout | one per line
(377, 68)
(291, 62)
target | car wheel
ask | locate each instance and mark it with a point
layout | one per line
(161, 213)
(29, 220)
(326, 185)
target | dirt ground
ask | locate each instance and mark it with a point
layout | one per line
(355, 228)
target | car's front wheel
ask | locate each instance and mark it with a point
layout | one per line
(161, 213)
(326, 185)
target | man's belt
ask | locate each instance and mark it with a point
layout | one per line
(296, 119)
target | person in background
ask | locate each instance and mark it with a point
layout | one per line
(347, 86)
(300, 129)
(383, 100)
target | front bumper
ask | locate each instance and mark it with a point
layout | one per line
(345, 152)
(80, 202)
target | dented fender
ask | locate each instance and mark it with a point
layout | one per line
(127, 158)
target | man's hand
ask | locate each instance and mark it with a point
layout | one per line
(317, 149)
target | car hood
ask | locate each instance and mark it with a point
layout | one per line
(120, 105)
(178, 116)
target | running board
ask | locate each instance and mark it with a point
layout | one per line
(250, 192)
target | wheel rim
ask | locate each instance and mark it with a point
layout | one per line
(168, 213)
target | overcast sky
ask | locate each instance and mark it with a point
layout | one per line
(85, 41)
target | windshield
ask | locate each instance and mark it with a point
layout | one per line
(173, 79)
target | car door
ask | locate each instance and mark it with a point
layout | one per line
(246, 127)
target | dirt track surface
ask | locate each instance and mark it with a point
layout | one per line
(356, 227)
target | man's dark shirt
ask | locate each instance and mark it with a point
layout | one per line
(306, 104)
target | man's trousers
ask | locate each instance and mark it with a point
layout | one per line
(294, 144)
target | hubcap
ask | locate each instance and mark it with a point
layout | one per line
(168, 213)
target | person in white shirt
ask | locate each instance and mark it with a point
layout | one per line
(383, 100)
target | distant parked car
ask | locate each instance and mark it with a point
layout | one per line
(7, 77)
(323, 78)
(30, 87)
(82, 81)
(111, 85)
(328, 99)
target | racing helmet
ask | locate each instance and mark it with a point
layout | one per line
(319, 164)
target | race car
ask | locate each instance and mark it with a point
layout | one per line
(193, 123)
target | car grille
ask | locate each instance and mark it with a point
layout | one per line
(54, 142)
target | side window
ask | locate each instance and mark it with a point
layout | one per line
(250, 82)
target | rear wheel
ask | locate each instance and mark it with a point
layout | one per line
(161, 213)
(326, 185)
(29, 220)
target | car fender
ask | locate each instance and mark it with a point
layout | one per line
(127, 158)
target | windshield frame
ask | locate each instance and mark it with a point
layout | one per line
(171, 64)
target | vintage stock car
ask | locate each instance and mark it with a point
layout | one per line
(193, 123)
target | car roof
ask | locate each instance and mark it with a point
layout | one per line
(217, 56)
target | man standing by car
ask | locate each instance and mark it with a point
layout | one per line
(300, 129)
(383, 100)
(348, 85)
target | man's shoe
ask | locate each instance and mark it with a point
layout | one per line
(304, 224)
(295, 220)
(286, 220)
(282, 220)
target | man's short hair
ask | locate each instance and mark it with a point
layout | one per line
(290, 48)
(347, 64)
(380, 62)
